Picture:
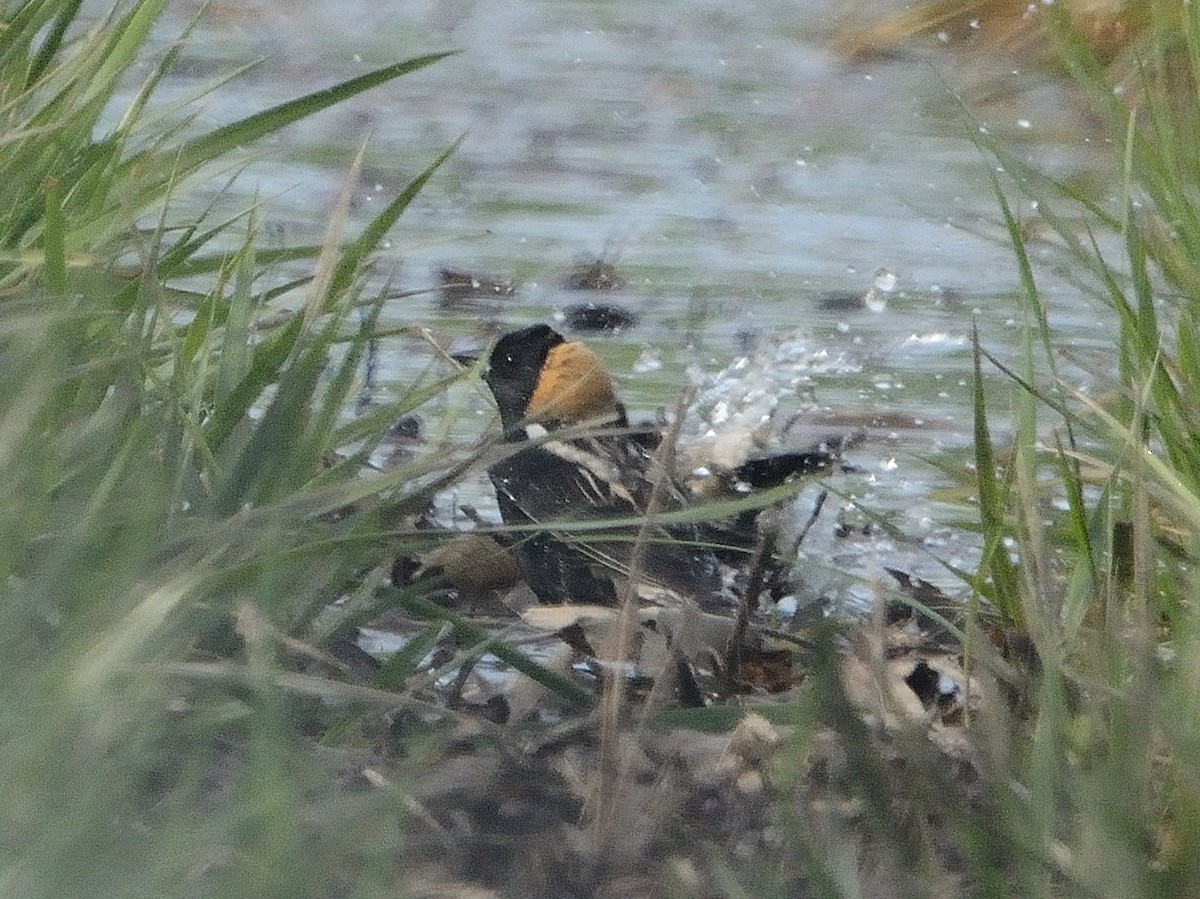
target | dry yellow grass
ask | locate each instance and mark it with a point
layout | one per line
(1108, 26)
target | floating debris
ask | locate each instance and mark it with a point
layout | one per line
(463, 288)
(408, 428)
(840, 301)
(599, 274)
(597, 317)
(873, 300)
(401, 443)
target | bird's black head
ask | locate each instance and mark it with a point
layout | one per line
(514, 369)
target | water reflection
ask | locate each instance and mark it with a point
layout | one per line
(743, 173)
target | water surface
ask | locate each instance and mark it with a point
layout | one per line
(734, 169)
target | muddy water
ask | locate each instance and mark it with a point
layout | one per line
(744, 181)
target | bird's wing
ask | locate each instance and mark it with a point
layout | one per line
(571, 481)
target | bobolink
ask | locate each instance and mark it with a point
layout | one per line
(598, 468)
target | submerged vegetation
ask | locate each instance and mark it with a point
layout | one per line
(190, 546)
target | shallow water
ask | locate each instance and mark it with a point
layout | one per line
(736, 172)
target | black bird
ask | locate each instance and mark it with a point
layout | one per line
(584, 463)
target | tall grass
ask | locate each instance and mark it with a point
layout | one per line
(1084, 762)
(167, 490)
(174, 525)
(1088, 512)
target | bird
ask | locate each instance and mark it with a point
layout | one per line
(575, 458)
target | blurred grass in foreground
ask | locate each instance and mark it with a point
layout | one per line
(1089, 509)
(1086, 762)
(167, 494)
(1115, 31)
(165, 489)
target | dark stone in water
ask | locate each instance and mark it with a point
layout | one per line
(463, 288)
(598, 317)
(841, 301)
(408, 427)
(597, 275)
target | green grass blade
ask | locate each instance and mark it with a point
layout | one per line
(404, 662)
(54, 240)
(53, 41)
(322, 434)
(269, 459)
(236, 344)
(357, 252)
(1006, 595)
(269, 358)
(127, 40)
(205, 148)
(565, 689)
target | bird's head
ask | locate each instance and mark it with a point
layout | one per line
(538, 377)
